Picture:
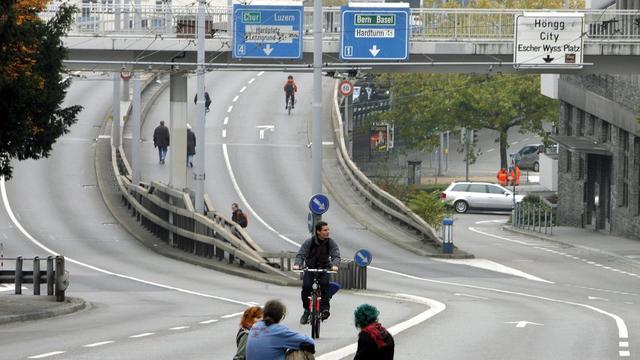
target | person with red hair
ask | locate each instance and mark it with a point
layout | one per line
(249, 317)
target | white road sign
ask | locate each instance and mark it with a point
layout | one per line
(549, 40)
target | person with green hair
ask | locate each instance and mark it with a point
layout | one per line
(374, 341)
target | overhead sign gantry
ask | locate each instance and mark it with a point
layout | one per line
(549, 40)
(268, 30)
(374, 31)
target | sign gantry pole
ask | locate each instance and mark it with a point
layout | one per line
(316, 148)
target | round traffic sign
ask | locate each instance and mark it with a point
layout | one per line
(345, 87)
(319, 204)
(363, 257)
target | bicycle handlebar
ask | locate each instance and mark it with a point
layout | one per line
(315, 271)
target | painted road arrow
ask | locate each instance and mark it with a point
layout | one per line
(523, 323)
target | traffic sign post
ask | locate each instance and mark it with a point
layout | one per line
(363, 257)
(345, 88)
(375, 31)
(267, 31)
(549, 40)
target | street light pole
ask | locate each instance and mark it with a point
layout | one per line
(316, 148)
(198, 174)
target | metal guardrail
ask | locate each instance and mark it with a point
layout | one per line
(426, 24)
(55, 276)
(377, 197)
(535, 217)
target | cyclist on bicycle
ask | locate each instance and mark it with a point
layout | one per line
(318, 252)
(290, 89)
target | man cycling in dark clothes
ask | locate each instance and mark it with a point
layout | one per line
(318, 252)
(290, 89)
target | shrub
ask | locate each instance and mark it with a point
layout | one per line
(429, 207)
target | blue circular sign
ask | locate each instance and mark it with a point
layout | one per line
(319, 204)
(363, 257)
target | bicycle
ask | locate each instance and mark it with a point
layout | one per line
(315, 298)
(289, 106)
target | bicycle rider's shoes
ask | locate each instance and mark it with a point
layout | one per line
(324, 314)
(304, 319)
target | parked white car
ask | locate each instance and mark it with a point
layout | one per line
(478, 195)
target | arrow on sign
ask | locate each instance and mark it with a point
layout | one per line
(267, 50)
(320, 204)
(362, 257)
(548, 59)
(522, 323)
(374, 50)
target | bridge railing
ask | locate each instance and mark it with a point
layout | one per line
(53, 275)
(427, 24)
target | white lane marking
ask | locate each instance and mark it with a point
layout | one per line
(554, 251)
(435, 307)
(179, 328)
(235, 98)
(141, 335)
(623, 332)
(231, 315)
(490, 150)
(522, 323)
(230, 108)
(244, 200)
(208, 321)
(513, 143)
(471, 296)
(252, 80)
(260, 73)
(7, 206)
(327, 143)
(624, 344)
(596, 298)
(99, 344)
(47, 354)
(243, 89)
(224, 133)
(625, 353)
(226, 120)
(491, 221)
(104, 136)
(493, 266)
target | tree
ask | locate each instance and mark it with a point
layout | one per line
(31, 85)
(425, 104)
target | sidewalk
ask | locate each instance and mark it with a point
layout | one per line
(15, 308)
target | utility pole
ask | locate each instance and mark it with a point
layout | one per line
(316, 148)
(465, 141)
(198, 174)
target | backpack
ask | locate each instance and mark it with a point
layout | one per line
(245, 220)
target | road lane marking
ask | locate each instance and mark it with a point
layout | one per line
(225, 152)
(522, 323)
(252, 80)
(243, 89)
(208, 321)
(179, 328)
(235, 98)
(260, 73)
(226, 120)
(47, 354)
(98, 344)
(435, 307)
(230, 108)
(490, 150)
(231, 315)
(224, 133)
(493, 266)
(624, 344)
(471, 296)
(141, 335)
(12, 216)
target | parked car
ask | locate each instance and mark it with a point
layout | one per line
(529, 156)
(478, 195)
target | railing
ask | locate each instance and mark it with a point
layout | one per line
(55, 276)
(535, 217)
(425, 24)
(377, 197)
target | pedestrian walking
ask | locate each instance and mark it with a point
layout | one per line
(161, 140)
(374, 341)
(207, 101)
(270, 340)
(191, 145)
(249, 317)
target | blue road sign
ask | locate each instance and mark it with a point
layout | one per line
(363, 257)
(267, 31)
(319, 204)
(375, 33)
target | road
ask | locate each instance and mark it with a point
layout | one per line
(565, 303)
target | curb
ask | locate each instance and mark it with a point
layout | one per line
(70, 305)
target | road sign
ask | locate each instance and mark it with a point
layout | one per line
(363, 257)
(267, 31)
(345, 87)
(548, 40)
(375, 31)
(319, 204)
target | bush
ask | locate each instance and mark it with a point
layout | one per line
(429, 207)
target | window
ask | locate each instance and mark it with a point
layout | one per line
(591, 130)
(605, 134)
(569, 154)
(568, 120)
(478, 188)
(495, 189)
(460, 187)
(580, 122)
(624, 165)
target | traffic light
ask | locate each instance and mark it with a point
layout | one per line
(474, 136)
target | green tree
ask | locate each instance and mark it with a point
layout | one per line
(31, 85)
(429, 208)
(425, 104)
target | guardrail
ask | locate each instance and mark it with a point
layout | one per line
(377, 197)
(425, 23)
(535, 217)
(55, 276)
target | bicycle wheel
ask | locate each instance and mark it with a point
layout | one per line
(289, 107)
(315, 318)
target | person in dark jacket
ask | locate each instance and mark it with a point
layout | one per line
(374, 341)
(249, 317)
(191, 145)
(318, 252)
(161, 140)
(207, 101)
(237, 216)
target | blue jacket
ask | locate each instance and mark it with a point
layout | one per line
(271, 342)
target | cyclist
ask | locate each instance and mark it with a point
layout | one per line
(318, 252)
(290, 89)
